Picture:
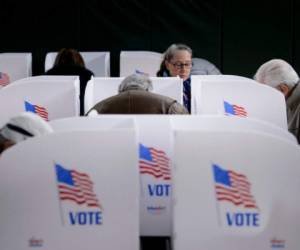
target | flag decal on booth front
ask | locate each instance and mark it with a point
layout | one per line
(154, 162)
(77, 188)
(234, 188)
(36, 109)
(233, 109)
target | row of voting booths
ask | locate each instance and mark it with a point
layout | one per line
(19, 65)
(146, 62)
(211, 95)
(224, 177)
(205, 181)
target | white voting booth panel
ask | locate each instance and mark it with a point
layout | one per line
(92, 123)
(100, 88)
(97, 62)
(238, 98)
(49, 99)
(154, 132)
(223, 77)
(225, 123)
(146, 62)
(155, 163)
(48, 77)
(16, 65)
(235, 190)
(55, 195)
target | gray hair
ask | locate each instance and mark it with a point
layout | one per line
(136, 81)
(169, 54)
(171, 51)
(275, 72)
(24, 126)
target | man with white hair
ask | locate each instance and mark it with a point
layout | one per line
(135, 98)
(22, 127)
(279, 74)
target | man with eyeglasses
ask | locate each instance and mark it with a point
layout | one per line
(177, 61)
(22, 127)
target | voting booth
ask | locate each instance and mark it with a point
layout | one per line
(16, 65)
(156, 156)
(237, 97)
(55, 195)
(100, 88)
(145, 62)
(97, 62)
(154, 137)
(49, 99)
(155, 166)
(235, 190)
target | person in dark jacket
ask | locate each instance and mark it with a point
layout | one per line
(70, 62)
(135, 98)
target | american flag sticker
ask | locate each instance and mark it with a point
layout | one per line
(233, 109)
(76, 187)
(37, 109)
(154, 162)
(232, 187)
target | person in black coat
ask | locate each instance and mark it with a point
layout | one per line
(70, 62)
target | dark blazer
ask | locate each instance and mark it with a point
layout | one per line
(139, 102)
(84, 76)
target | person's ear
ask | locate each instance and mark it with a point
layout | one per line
(284, 88)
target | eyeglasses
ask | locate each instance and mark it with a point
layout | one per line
(179, 65)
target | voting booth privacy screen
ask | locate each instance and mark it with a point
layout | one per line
(101, 88)
(49, 99)
(141, 62)
(54, 195)
(237, 96)
(97, 62)
(156, 157)
(235, 190)
(251, 163)
(154, 138)
(16, 65)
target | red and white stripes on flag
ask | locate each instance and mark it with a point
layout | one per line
(39, 110)
(154, 162)
(80, 192)
(4, 79)
(235, 188)
(42, 112)
(239, 111)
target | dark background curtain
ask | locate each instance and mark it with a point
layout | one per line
(237, 36)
